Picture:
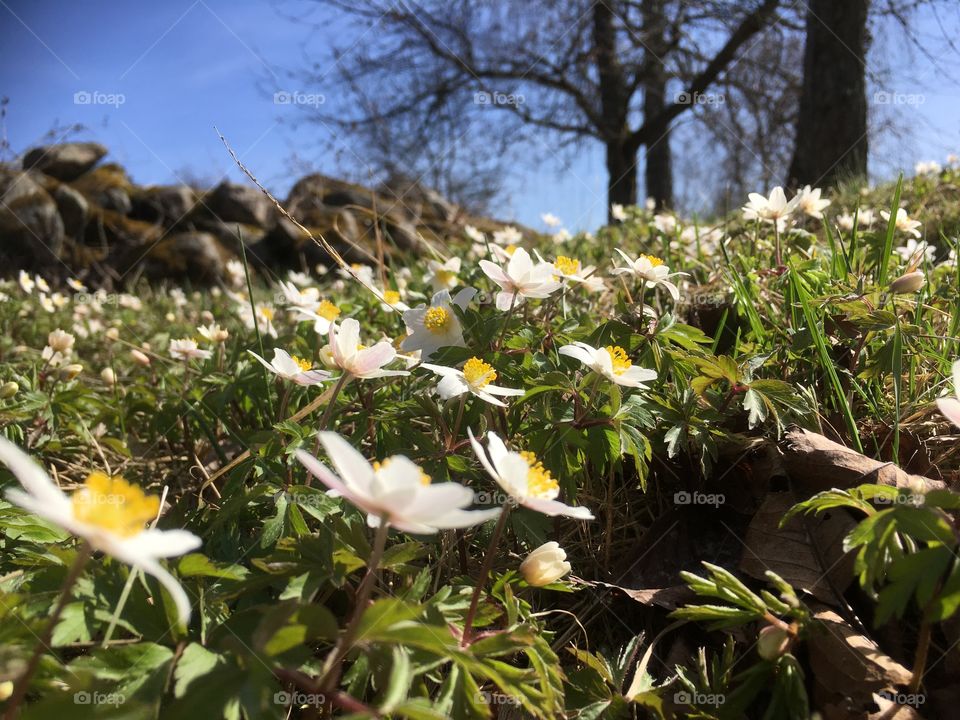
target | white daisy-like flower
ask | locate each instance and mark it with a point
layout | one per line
(524, 478)
(665, 223)
(551, 220)
(809, 202)
(76, 285)
(432, 327)
(393, 301)
(26, 282)
(264, 318)
(612, 362)
(290, 367)
(903, 222)
(235, 273)
(443, 275)
(299, 278)
(475, 378)
(473, 234)
(41, 284)
(351, 356)
(395, 491)
(521, 278)
(108, 513)
(508, 235)
(186, 349)
(651, 271)
(567, 268)
(213, 333)
(323, 314)
(931, 167)
(921, 249)
(774, 209)
(561, 236)
(618, 212)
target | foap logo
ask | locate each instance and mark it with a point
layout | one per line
(299, 699)
(698, 98)
(498, 98)
(902, 498)
(96, 97)
(682, 497)
(495, 698)
(914, 700)
(884, 97)
(698, 699)
(298, 97)
(486, 497)
(85, 697)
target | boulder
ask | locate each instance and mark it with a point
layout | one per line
(73, 208)
(169, 204)
(196, 256)
(107, 186)
(66, 161)
(240, 204)
(31, 230)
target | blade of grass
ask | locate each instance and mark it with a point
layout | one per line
(888, 239)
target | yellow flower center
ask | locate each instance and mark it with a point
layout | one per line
(445, 277)
(391, 297)
(654, 261)
(304, 365)
(567, 266)
(478, 373)
(267, 313)
(113, 504)
(510, 249)
(619, 359)
(328, 311)
(540, 483)
(436, 319)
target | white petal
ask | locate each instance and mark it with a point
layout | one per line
(354, 469)
(162, 543)
(31, 476)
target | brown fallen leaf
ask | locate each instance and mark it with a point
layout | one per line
(807, 552)
(815, 463)
(669, 598)
(847, 664)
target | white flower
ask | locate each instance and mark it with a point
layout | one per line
(41, 284)
(845, 221)
(26, 282)
(913, 248)
(521, 279)
(108, 513)
(431, 328)
(186, 349)
(61, 342)
(76, 285)
(364, 272)
(396, 491)
(617, 212)
(545, 565)
(570, 269)
(611, 362)
(475, 378)
(264, 318)
(443, 275)
(290, 367)
(809, 202)
(213, 333)
(931, 167)
(299, 278)
(393, 301)
(524, 478)
(359, 361)
(903, 222)
(774, 209)
(235, 273)
(297, 298)
(651, 270)
(650, 204)
(108, 376)
(667, 224)
(561, 236)
(508, 235)
(866, 217)
(550, 220)
(323, 314)
(473, 234)
(950, 406)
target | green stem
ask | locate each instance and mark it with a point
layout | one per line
(456, 425)
(331, 668)
(43, 642)
(484, 573)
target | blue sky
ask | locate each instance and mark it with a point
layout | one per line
(185, 66)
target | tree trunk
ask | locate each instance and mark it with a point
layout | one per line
(658, 170)
(831, 143)
(621, 176)
(614, 106)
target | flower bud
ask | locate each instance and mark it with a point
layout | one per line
(108, 376)
(139, 357)
(69, 372)
(545, 565)
(6, 689)
(8, 390)
(909, 282)
(772, 642)
(60, 341)
(112, 333)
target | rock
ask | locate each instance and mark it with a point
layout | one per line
(321, 194)
(231, 235)
(240, 204)
(73, 209)
(109, 187)
(66, 161)
(426, 204)
(169, 204)
(196, 256)
(31, 230)
(109, 229)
